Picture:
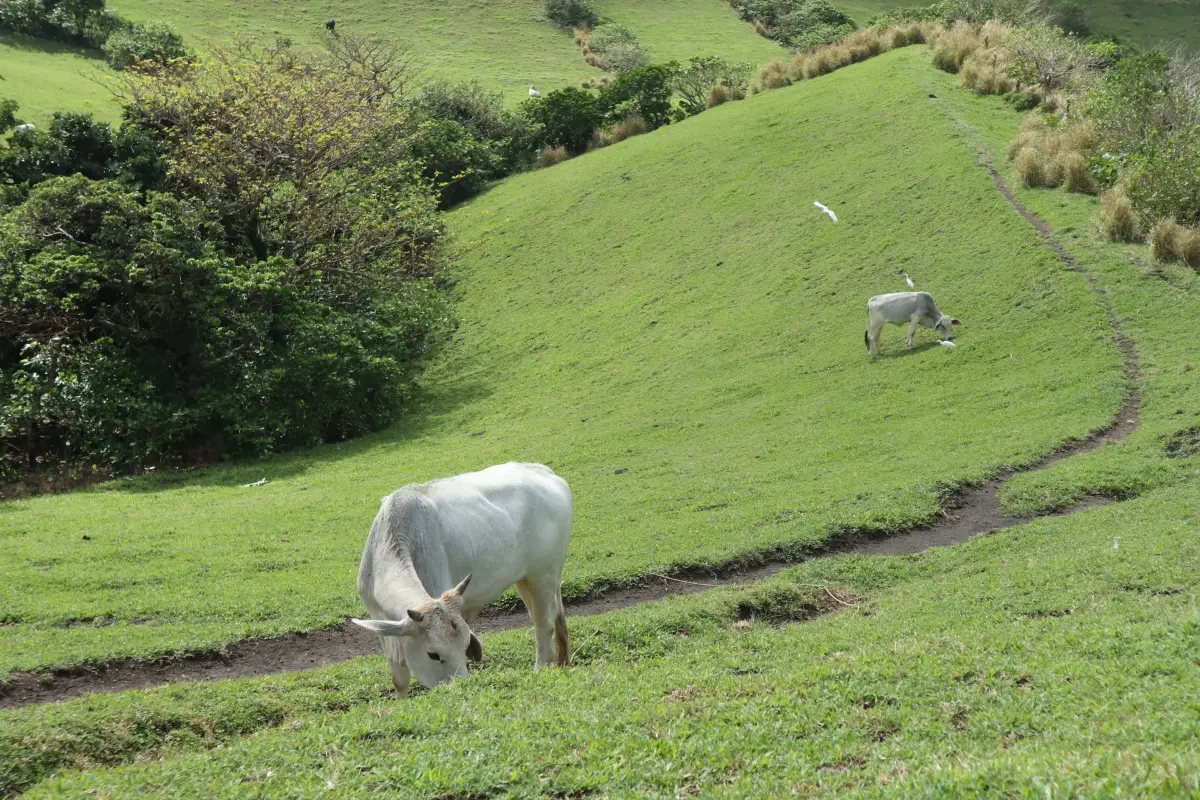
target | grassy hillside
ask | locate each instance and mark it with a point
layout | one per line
(673, 326)
(45, 77)
(1054, 659)
(680, 29)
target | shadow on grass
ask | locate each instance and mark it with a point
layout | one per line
(30, 44)
(916, 349)
(423, 412)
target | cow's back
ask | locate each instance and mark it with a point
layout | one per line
(499, 525)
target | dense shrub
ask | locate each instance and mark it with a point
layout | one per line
(695, 79)
(144, 47)
(644, 93)
(565, 118)
(456, 163)
(798, 24)
(246, 303)
(615, 48)
(1171, 242)
(1146, 112)
(570, 13)
(83, 22)
(75, 143)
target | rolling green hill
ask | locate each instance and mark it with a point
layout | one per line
(504, 44)
(678, 331)
(673, 326)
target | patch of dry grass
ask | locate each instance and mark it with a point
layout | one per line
(1118, 221)
(773, 76)
(1172, 243)
(549, 156)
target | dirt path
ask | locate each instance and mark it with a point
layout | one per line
(971, 512)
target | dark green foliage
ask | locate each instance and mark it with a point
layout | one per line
(1072, 16)
(644, 92)
(8, 115)
(456, 162)
(798, 24)
(144, 47)
(77, 21)
(129, 338)
(694, 79)
(570, 13)
(1022, 101)
(75, 143)
(1149, 126)
(616, 48)
(481, 111)
(566, 118)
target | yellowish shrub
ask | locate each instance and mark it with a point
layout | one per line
(1118, 221)
(819, 63)
(735, 93)
(1024, 139)
(994, 33)
(549, 156)
(897, 37)
(868, 40)
(580, 35)
(839, 56)
(1052, 144)
(773, 75)
(796, 69)
(1034, 123)
(1173, 243)
(953, 47)
(1075, 173)
(718, 94)
(1081, 137)
(762, 30)
(1029, 165)
(1052, 172)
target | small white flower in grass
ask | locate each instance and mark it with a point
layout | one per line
(832, 215)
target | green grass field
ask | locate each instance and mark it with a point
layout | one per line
(674, 309)
(674, 306)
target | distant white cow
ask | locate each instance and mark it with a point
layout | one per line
(28, 126)
(533, 92)
(438, 552)
(898, 308)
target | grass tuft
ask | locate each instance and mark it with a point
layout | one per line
(1172, 243)
(549, 156)
(1118, 221)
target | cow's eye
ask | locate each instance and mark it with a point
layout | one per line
(434, 657)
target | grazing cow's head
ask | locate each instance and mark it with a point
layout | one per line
(945, 326)
(436, 640)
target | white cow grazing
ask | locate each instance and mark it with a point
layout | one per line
(898, 308)
(533, 92)
(28, 126)
(438, 552)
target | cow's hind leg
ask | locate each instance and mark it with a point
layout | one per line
(543, 610)
(401, 674)
(873, 339)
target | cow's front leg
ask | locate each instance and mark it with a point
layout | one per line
(912, 331)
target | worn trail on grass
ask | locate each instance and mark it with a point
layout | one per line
(970, 512)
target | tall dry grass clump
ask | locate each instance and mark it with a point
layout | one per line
(954, 46)
(1173, 243)
(1118, 221)
(774, 75)
(762, 30)
(549, 156)
(630, 126)
(1075, 173)
(717, 95)
(580, 35)
(865, 43)
(1030, 166)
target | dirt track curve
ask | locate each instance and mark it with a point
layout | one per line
(971, 512)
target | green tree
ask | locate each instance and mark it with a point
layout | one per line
(565, 118)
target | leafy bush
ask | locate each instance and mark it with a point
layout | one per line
(8, 115)
(455, 162)
(565, 118)
(570, 13)
(798, 24)
(644, 93)
(236, 302)
(695, 79)
(1049, 58)
(1146, 112)
(144, 47)
(77, 21)
(615, 48)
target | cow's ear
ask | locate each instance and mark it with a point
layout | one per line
(387, 627)
(474, 649)
(955, 322)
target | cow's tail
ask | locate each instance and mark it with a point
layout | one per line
(867, 339)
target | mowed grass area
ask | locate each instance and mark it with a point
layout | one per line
(673, 327)
(1056, 659)
(45, 77)
(1050, 660)
(681, 29)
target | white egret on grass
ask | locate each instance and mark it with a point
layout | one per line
(908, 280)
(832, 215)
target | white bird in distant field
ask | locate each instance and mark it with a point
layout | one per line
(832, 215)
(908, 280)
(946, 344)
(533, 92)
